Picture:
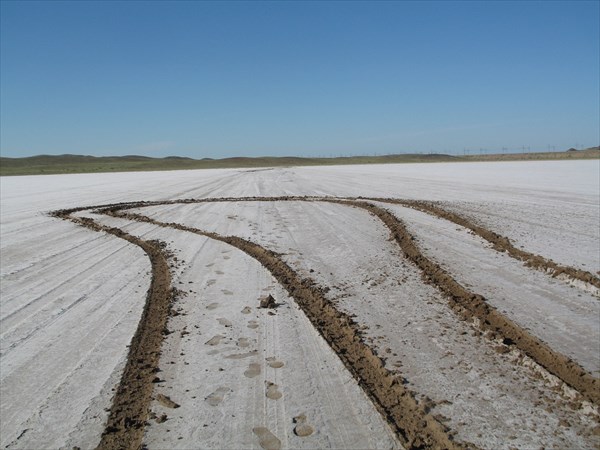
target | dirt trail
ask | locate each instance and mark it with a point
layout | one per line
(499, 243)
(130, 407)
(469, 305)
(411, 421)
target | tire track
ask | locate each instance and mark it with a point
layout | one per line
(469, 306)
(499, 243)
(414, 426)
(411, 421)
(130, 407)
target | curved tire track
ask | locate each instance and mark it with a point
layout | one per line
(413, 424)
(130, 407)
(499, 243)
(469, 305)
(410, 420)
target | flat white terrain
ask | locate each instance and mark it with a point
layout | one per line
(409, 322)
(71, 299)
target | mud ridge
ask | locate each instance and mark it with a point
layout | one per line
(469, 306)
(413, 424)
(499, 243)
(466, 304)
(130, 406)
(411, 421)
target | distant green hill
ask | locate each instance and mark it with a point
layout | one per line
(60, 164)
(57, 164)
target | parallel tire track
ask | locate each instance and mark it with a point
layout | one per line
(411, 421)
(499, 243)
(130, 407)
(469, 305)
(415, 427)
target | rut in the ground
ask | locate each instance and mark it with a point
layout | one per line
(499, 243)
(414, 426)
(467, 304)
(410, 420)
(130, 407)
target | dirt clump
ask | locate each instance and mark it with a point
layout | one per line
(166, 401)
(268, 302)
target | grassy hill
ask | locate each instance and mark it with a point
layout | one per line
(60, 164)
(589, 153)
(57, 164)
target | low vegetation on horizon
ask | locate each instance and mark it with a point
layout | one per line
(62, 164)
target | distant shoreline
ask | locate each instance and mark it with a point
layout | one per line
(65, 164)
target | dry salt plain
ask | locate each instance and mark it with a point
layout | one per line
(399, 321)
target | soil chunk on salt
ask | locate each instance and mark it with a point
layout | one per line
(268, 302)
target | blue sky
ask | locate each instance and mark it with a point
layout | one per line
(220, 79)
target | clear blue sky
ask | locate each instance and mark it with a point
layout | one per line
(205, 79)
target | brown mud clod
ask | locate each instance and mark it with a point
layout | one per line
(268, 302)
(166, 401)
